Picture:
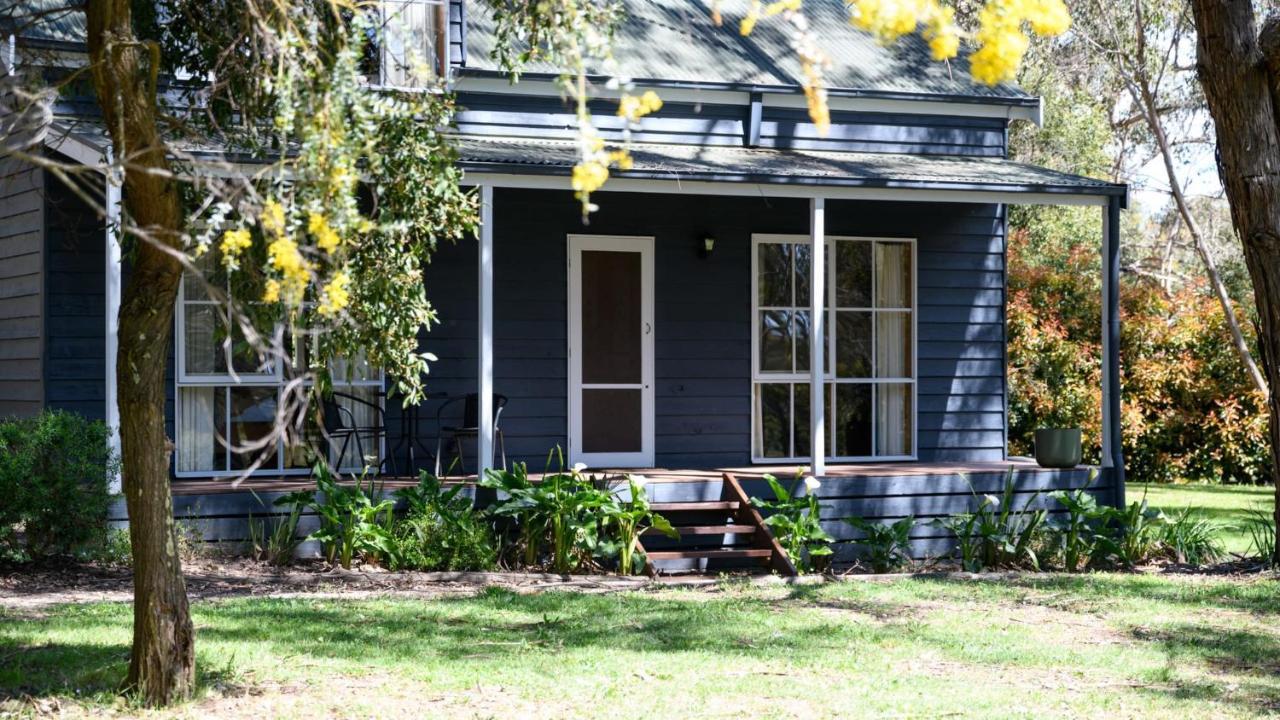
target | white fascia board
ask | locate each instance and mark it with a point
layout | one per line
(64, 140)
(676, 186)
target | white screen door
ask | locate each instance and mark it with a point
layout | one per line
(611, 350)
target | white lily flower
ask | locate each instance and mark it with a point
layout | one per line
(639, 480)
(579, 467)
(991, 500)
(811, 483)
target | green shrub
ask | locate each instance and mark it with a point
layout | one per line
(887, 547)
(442, 530)
(1188, 537)
(54, 474)
(1075, 537)
(997, 535)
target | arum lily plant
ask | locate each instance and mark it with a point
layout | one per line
(633, 517)
(795, 519)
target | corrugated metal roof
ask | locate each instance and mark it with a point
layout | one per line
(676, 40)
(59, 21)
(805, 167)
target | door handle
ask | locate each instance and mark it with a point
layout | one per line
(648, 328)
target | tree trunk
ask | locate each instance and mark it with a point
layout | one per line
(162, 664)
(1239, 83)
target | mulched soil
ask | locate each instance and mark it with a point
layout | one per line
(33, 588)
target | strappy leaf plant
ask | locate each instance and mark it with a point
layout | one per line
(998, 533)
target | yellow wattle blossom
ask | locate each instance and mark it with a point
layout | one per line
(233, 243)
(336, 295)
(589, 176)
(633, 108)
(620, 159)
(751, 18)
(272, 217)
(271, 293)
(326, 238)
(283, 255)
(1001, 38)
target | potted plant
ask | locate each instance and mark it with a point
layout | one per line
(1058, 447)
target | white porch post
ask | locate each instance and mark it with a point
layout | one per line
(817, 351)
(484, 437)
(111, 300)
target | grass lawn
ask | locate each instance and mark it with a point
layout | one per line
(1037, 646)
(1224, 504)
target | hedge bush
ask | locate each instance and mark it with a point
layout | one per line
(54, 492)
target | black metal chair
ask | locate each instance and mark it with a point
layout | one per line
(340, 428)
(470, 427)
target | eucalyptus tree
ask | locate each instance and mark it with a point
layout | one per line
(1239, 68)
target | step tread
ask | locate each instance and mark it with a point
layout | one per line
(710, 530)
(709, 554)
(695, 506)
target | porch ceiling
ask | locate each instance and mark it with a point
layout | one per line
(815, 168)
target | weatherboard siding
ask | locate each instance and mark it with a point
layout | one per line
(21, 288)
(527, 116)
(703, 321)
(75, 247)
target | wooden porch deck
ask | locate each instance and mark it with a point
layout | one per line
(215, 486)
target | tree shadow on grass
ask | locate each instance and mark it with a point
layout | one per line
(498, 622)
(1244, 666)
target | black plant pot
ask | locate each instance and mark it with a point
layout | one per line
(1058, 447)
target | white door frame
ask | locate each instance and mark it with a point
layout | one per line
(615, 243)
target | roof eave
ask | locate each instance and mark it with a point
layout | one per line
(1100, 190)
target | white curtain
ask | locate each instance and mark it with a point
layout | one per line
(197, 430)
(893, 346)
(200, 348)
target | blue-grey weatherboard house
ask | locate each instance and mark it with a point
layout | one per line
(744, 265)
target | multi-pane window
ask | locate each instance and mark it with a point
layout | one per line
(405, 48)
(224, 405)
(870, 348)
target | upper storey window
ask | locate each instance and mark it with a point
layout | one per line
(409, 46)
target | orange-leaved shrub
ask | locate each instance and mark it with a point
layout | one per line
(1189, 412)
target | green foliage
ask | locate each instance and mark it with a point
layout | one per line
(1102, 536)
(796, 521)
(1188, 537)
(355, 520)
(1261, 526)
(997, 534)
(1078, 532)
(630, 519)
(442, 530)
(887, 546)
(276, 540)
(565, 509)
(54, 470)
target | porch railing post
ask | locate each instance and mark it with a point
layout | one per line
(111, 300)
(1112, 452)
(484, 436)
(817, 351)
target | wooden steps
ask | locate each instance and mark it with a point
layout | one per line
(714, 534)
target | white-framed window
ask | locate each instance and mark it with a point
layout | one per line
(217, 413)
(408, 40)
(870, 345)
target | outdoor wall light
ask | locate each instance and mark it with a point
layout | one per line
(708, 244)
